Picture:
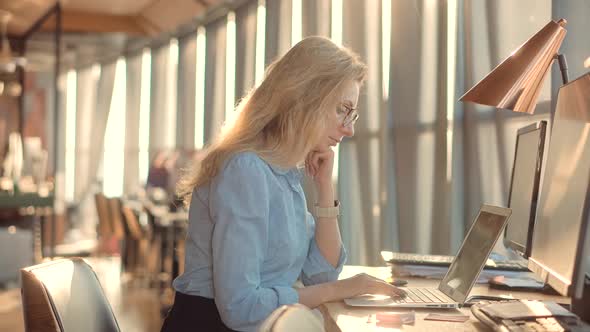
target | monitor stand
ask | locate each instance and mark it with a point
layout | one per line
(581, 307)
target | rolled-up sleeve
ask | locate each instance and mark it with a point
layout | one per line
(239, 207)
(317, 269)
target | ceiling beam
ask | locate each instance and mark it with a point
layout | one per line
(146, 25)
(79, 21)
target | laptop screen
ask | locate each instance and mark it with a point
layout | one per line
(474, 252)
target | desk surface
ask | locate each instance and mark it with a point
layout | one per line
(338, 317)
(25, 200)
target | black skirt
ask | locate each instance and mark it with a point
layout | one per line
(193, 313)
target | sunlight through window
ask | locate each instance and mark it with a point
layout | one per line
(260, 40)
(70, 162)
(386, 42)
(296, 22)
(336, 30)
(451, 63)
(336, 35)
(114, 139)
(172, 93)
(200, 88)
(144, 114)
(230, 68)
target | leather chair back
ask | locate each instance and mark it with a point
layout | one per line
(65, 296)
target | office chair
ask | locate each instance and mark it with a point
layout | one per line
(104, 215)
(64, 296)
(292, 318)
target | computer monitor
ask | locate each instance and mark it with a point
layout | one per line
(561, 228)
(524, 187)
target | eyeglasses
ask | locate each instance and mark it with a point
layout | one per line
(347, 115)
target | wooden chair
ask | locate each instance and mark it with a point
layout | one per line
(117, 223)
(104, 215)
(138, 243)
(65, 295)
(107, 242)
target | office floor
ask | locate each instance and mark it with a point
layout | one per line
(136, 308)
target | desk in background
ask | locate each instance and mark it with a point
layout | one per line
(338, 317)
(38, 206)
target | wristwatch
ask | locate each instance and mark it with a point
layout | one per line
(326, 212)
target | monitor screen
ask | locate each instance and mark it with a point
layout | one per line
(560, 228)
(524, 187)
(474, 252)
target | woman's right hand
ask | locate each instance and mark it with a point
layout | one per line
(313, 296)
(365, 284)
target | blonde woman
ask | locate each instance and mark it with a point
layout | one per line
(250, 236)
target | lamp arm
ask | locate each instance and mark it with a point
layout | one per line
(562, 67)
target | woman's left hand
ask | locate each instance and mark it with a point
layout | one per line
(319, 165)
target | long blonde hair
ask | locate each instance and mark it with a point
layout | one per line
(284, 117)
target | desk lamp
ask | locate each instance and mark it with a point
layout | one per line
(516, 82)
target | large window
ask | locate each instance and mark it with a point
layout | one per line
(71, 94)
(260, 40)
(114, 146)
(230, 68)
(200, 88)
(336, 36)
(144, 115)
(172, 94)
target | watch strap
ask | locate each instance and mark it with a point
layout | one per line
(327, 212)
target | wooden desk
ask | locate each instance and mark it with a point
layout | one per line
(169, 231)
(338, 317)
(26, 199)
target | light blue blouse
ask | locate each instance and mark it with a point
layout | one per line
(250, 237)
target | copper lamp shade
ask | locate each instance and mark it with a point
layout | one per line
(515, 84)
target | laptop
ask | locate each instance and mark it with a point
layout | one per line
(462, 274)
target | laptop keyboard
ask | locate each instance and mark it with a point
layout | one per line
(532, 324)
(550, 324)
(422, 295)
(442, 260)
